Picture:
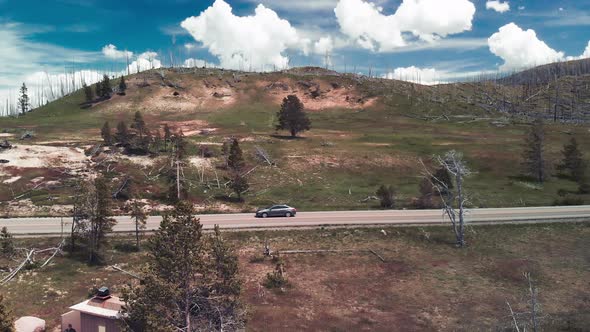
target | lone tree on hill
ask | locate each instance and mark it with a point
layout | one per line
(88, 92)
(534, 159)
(105, 132)
(235, 159)
(23, 100)
(292, 116)
(122, 86)
(386, 195)
(573, 161)
(190, 281)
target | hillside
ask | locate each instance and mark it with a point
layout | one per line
(365, 132)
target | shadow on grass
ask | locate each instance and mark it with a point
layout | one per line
(126, 247)
(522, 178)
(287, 137)
(228, 199)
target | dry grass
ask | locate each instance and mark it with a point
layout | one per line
(425, 284)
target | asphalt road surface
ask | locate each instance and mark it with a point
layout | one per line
(42, 226)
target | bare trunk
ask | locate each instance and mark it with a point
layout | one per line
(136, 233)
(178, 179)
(461, 235)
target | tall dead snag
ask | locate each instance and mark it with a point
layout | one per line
(453, 201)
(522, 321)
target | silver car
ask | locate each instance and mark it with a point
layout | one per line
(276, 211)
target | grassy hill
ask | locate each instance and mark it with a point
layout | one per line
(365, 132)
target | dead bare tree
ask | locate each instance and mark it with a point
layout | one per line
(262, 155)
(453, 201)
(531, 317)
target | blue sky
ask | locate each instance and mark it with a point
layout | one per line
(48, 36)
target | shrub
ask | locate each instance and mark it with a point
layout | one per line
(257, 259)
(569, 201)
(275, 280)
(387, 196)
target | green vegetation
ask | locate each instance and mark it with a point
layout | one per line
(6, 319)
(342, 160)
(185, 270)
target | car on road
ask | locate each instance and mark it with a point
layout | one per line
(277, 211)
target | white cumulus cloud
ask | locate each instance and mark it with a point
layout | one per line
(521, 48)
(323, 45)
(111, 51)
(499, 6)
(427, 76)
(145, 61)
(586, 53)
(428, 20)
(244, 41)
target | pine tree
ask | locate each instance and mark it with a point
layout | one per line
(442, 179)
(106, 86)
(185, 270)
(386, 195)
(105, 132)
(98, 90)
(122, 134)
(6, 241)
(88, 92)
(225, 147)
(239, 184)
(534, 158)
(573, 161)
(99, 222)
(227, 268)
(6, 318)
(426, 192)
(179, 144)
(122, 86)
(140, 218)
(235, 160)
(167, 136)
(292, 116)
(23, 100)
(138, 124)
(157, 141)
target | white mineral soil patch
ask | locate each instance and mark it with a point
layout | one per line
(39, 156)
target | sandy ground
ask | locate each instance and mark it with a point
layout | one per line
(329, 97)
(39, 156)
(12, 179)
(200, 162)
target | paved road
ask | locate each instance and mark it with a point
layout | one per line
(37, 226)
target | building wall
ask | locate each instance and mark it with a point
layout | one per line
(91, 323)
(72, 317)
